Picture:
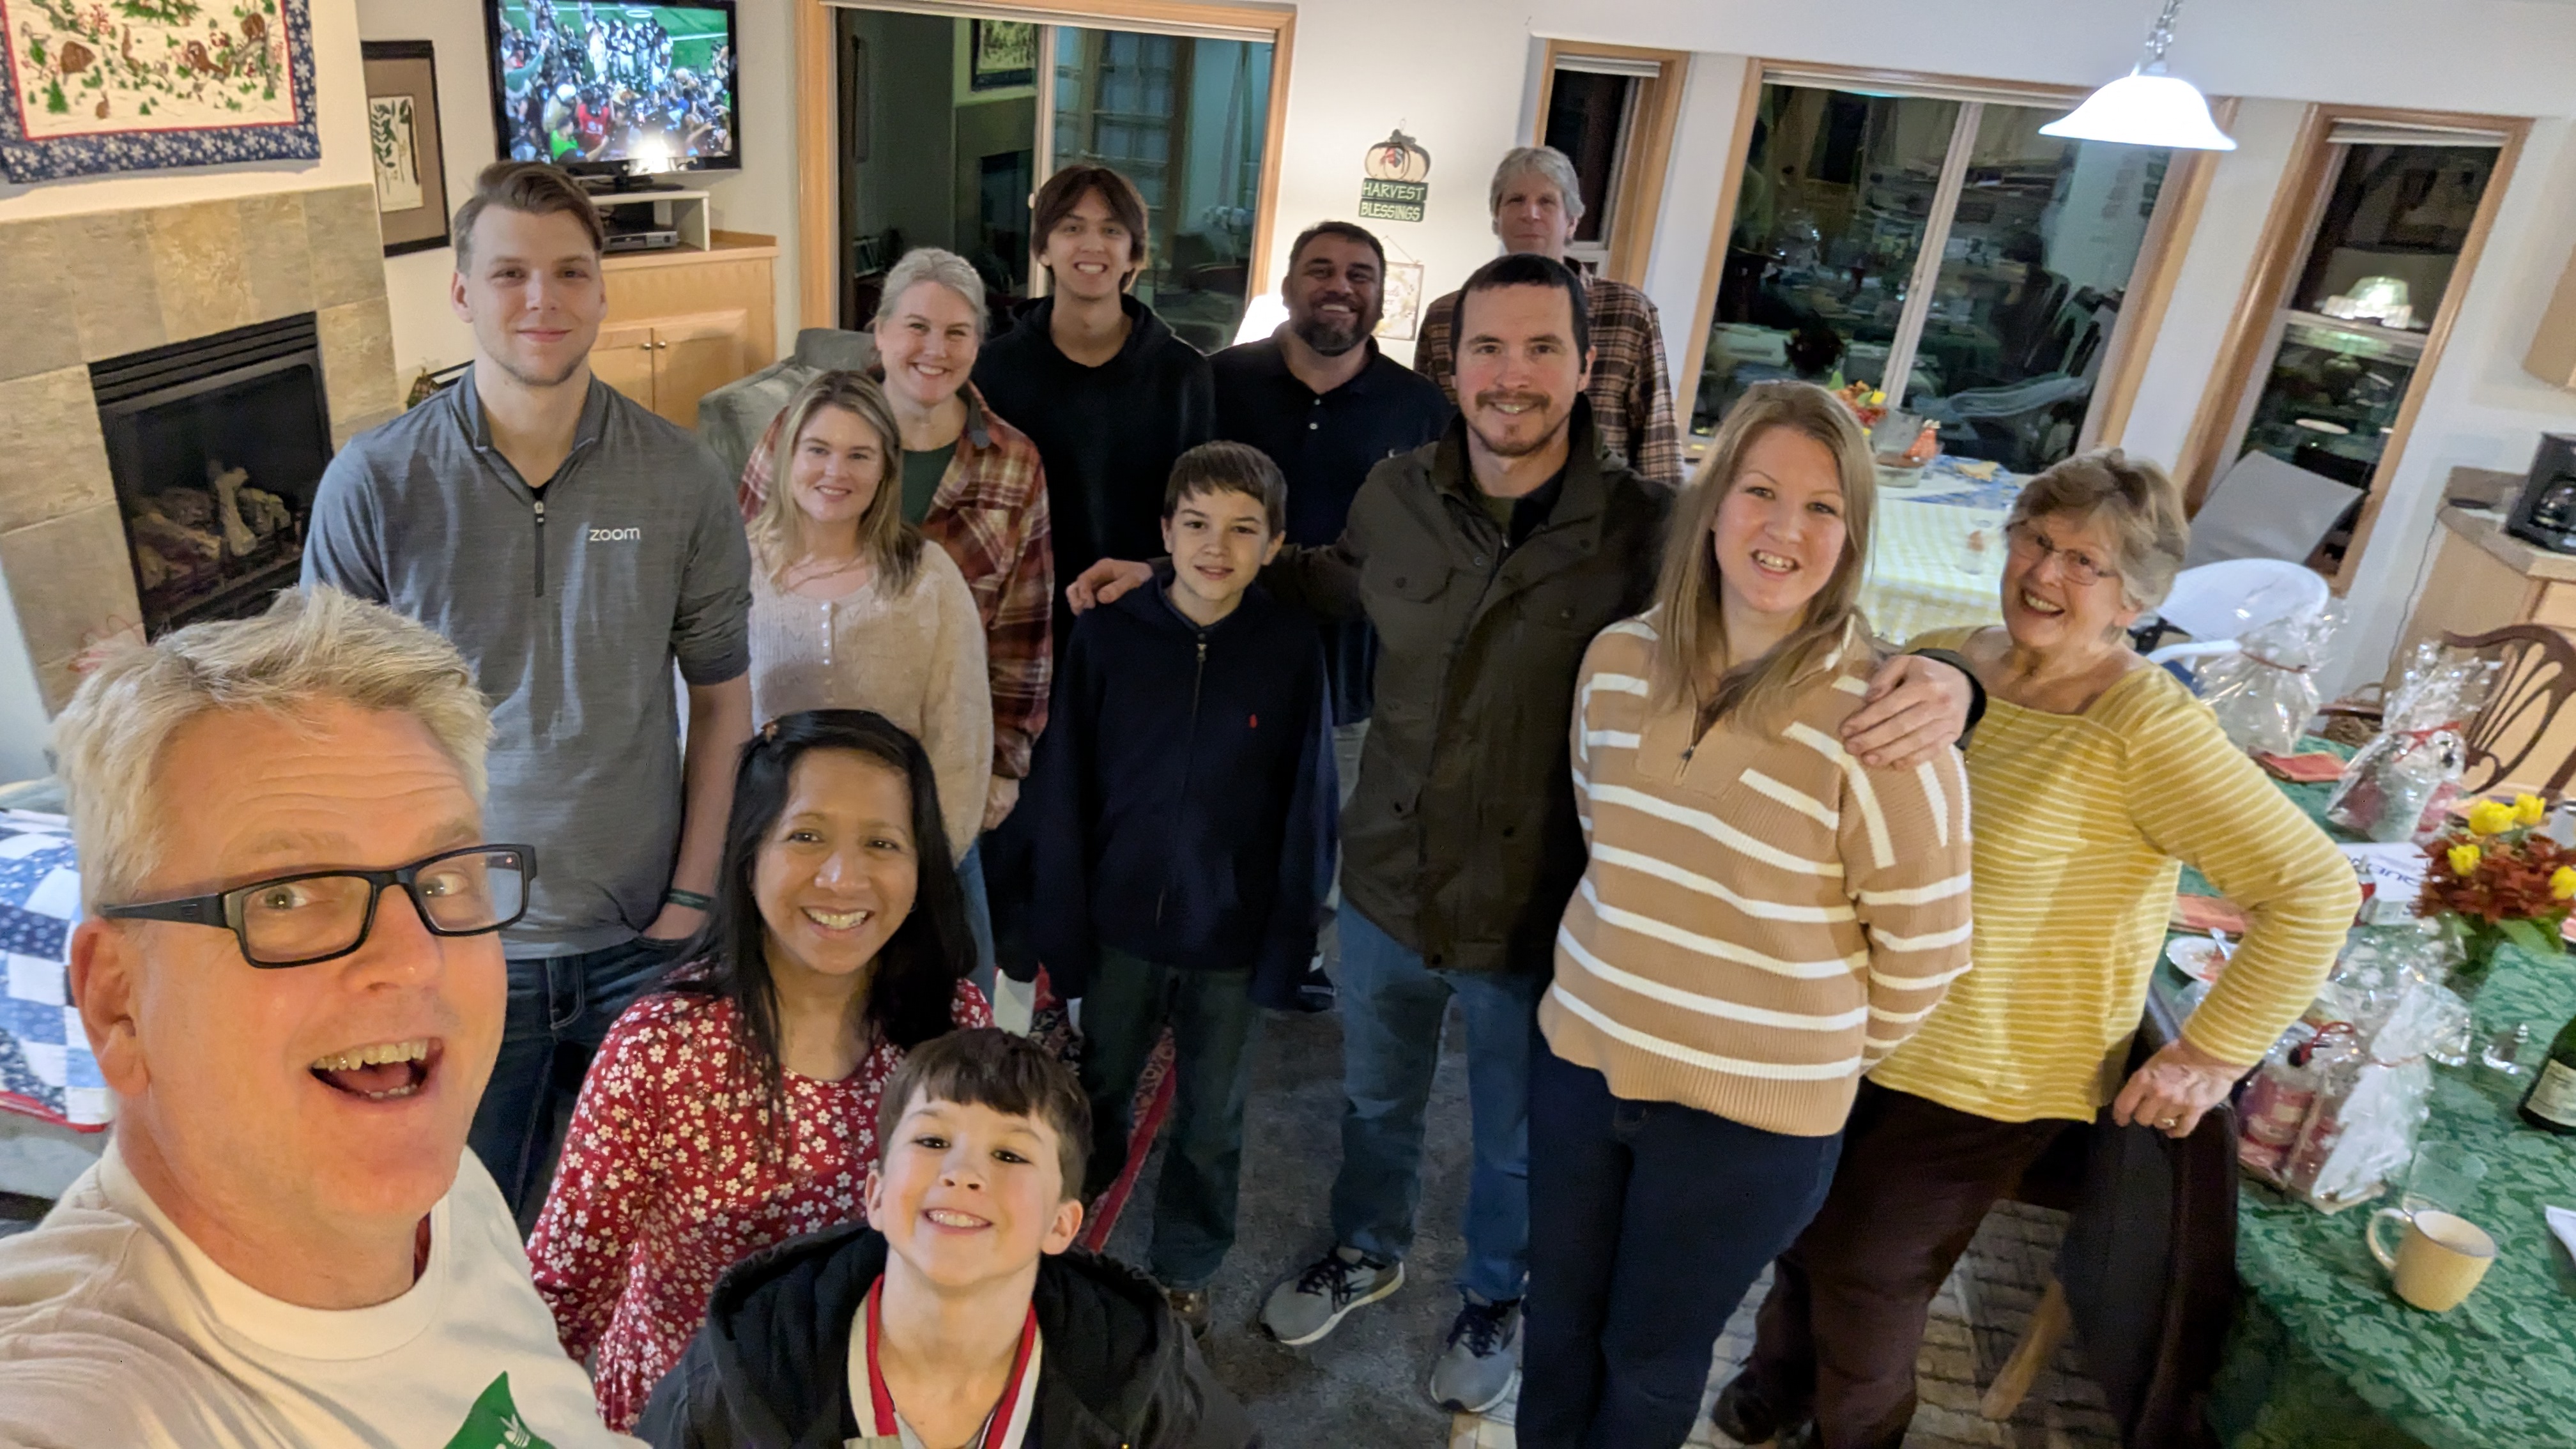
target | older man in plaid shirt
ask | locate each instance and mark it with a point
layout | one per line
(1536, 202)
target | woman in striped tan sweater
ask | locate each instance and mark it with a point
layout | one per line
(2097, 778)
(1763, 917)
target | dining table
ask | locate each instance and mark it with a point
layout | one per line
(1937, 548)
(2322, 1354)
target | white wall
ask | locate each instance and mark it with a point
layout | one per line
(342, 113)
(759, 198)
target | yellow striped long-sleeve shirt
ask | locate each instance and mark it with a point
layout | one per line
(2084, 822)
(1762, 915)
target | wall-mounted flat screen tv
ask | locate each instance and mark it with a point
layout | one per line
(614, 89)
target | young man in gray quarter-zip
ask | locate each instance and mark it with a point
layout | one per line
(575, 547)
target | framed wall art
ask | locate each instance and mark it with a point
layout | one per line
(147, 85)
(1004, 53)
(403, 142)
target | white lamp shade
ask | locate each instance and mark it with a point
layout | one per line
(2144, 110)
(1261, 317)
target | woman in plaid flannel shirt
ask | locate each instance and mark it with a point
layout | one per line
(989, 510)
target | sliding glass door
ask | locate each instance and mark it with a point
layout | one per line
(1184, 117)
(1935, 247)
(950, 123)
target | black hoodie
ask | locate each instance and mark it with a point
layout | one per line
(770, 1370)
(1108, 434)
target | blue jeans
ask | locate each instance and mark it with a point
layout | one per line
(1391, 1007)
(1212, 1018)
(979, 914)
(560, 1009)
(1655, 1219)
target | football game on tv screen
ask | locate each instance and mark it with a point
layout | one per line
(596, 86)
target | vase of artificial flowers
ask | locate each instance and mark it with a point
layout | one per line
(2499, 881)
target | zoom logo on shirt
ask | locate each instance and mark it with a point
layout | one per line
(616, 535)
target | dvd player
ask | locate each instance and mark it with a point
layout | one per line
(642, 239)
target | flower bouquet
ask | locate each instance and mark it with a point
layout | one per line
(2499, 879)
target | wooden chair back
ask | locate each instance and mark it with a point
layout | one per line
(2538, 678)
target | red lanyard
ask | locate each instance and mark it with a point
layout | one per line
(998, 1426)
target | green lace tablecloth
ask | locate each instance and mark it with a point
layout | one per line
(2324, 1356)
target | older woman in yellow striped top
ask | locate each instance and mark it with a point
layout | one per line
(2096, 777)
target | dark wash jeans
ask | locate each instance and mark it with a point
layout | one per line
(560, 1010)
(1648, 1223)
(1212, 1018)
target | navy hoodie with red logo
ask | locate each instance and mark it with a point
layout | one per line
(1184, 797)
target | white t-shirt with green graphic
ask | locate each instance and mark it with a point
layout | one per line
(115, 1329)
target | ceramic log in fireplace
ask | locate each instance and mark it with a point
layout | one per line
(216, 446)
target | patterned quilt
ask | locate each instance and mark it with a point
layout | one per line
(46, 1069)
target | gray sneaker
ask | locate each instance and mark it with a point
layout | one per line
(1483, 1361)
(1307, 1307)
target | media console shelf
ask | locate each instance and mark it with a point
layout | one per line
(687, 320)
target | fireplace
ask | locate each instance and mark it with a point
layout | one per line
(215, 446)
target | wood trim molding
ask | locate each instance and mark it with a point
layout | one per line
(1640, 199)
(2454, 295)
(2287, 232)
(2277, 251)
(818, 221)
(2034, 92)
(2151, 284)
(818, 210)
(1739, 147)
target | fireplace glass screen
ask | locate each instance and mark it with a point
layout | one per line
(216, 446)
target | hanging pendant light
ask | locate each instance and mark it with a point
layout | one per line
(2146, 107)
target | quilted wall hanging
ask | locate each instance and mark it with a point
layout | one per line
(93, 86)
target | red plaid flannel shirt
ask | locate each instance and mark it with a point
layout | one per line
(990, 513)
(1632, 394)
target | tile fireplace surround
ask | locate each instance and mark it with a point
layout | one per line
(77, 289)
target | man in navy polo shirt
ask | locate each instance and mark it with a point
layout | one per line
(1327, 406)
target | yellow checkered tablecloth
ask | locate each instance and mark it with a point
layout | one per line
(1925, 574)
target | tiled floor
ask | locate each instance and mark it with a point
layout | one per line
(1975, 1323)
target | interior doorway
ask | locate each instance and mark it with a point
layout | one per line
(949, 123)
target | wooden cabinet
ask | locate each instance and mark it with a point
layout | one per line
(2553, 349)
(685, 322)
(2484, 578)
(670, 363)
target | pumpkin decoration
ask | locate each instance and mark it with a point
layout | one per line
(1398, 158)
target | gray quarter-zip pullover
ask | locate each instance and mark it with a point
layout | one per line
(571, 601)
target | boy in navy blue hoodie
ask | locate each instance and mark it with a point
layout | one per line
(1185, 820)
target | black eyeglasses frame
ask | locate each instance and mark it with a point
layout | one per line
(221, 909)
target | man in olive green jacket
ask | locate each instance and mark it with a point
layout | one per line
(1487, 561)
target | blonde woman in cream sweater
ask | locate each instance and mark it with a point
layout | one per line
(1763, 918)
(852, 609)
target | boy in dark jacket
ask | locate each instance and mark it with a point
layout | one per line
(955, 1314)
(1185, 840)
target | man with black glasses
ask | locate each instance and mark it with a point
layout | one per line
(291, 975)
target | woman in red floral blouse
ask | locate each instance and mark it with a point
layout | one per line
(737, 1107)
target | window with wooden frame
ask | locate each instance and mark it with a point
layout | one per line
(2362, 265)
(900, 147)
(1612, 110)
(1916, 235)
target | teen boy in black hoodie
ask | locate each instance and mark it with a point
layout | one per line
(1185, 823)
(1111, 397)
(954, 1314)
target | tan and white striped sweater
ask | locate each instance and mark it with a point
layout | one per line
(1763, 917)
